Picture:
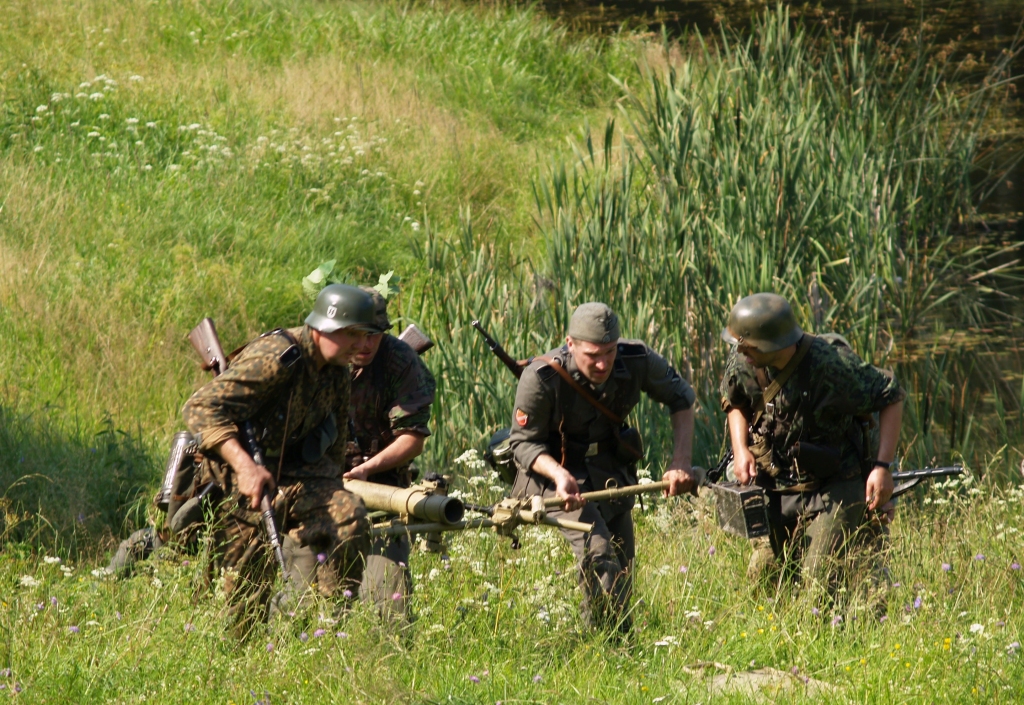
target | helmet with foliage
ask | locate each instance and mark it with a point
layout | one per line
(763, 321)
(342, 306)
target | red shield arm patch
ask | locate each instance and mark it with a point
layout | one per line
(522, 418)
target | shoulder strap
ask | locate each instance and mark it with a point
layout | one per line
(578, 388)
(769, 392)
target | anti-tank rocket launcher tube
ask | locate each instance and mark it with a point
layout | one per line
(419, 501)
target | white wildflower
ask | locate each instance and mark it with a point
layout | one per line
(157, 583)
(42, 108)
(132, 121)
(173, 167)
(96, 96)
(977, 628)
(38, 148)
(415, 225)
(50, 560)
(150, 124)
(135, 78)
(29, 582)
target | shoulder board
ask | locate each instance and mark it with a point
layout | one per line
(544, 370)
(836, 340)
(632, 348)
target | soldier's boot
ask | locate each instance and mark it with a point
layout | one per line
(763, 566)
(137, 547)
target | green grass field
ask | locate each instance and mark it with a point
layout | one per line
(162, 161)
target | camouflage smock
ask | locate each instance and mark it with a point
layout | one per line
(269, 383)
(536, 417)
(394, 393)
(818, 404)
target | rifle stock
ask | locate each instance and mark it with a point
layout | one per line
(416, 339)
(206, 342)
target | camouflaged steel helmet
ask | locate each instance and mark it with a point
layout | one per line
(342, 306)
(763, 321)
(380, 308)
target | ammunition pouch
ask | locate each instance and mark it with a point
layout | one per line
(816, 461)
(761, 449)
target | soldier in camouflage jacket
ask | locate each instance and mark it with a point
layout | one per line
(392, 394)
(293, 386)
(806, 445)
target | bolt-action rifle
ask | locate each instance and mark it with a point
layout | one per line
(516, 367)
(204, 339)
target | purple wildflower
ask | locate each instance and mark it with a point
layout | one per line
(474, 679)
(270, 647)
(980, 557)
(537, 678)
(896, 585)
(946, 567)
(303, 637)
(53, 601)
(684, 569)
(40, 607)
(17, 687)
(189, 627)
(185, 564)
(396, 596)
(5, 673)
(117, 616)
(347, 594)
(883, 619)
(341, 635)
(815, 612)
(402, 564)
(321, 558)
(1015, 566)
(917, 602)
(74, 629)
(712, 551)
(794, 670)
(838, 619)
(318, 633)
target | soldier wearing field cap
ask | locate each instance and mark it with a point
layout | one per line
(564, 445)
(293, 386)
(795, 405)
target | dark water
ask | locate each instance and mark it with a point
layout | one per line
(984, 28)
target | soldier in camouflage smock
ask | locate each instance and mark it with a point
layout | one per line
(795, 405)
(563, 445)
(392, 394)
(293, 386)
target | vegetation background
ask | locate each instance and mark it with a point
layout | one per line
(162, 161)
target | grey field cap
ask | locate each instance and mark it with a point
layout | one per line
(594, 322)
(342, 306)
(764, 321)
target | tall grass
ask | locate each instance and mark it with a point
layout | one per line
(821, 170)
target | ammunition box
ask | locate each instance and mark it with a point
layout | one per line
(742, 509)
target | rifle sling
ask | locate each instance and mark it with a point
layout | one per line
(579, 389)
(770, 391)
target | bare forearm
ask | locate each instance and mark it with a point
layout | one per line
(890, 420)
(682, 434)
(738, 425)
(547, 467)
(403, 449)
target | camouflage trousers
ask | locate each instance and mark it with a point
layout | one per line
(325, 537)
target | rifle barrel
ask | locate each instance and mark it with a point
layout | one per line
(928, 472)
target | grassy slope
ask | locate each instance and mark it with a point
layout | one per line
(104, 265)
(199, 159)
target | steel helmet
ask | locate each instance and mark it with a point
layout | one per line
(342, 306)
(763, 321)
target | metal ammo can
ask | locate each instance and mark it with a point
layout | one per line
(742, 509)
(183, 447)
